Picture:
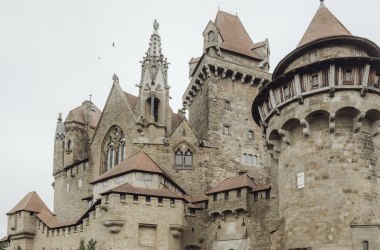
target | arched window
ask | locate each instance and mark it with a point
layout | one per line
(365, 245)
(114, 148)
(183, 156)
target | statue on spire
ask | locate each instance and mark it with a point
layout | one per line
(156, 25)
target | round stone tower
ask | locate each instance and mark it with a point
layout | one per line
(321, 116)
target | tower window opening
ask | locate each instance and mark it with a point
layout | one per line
(348, 76)
(227, 104)
(365, 245)
(226, 129)
(314, 81)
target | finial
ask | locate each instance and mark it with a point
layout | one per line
(156, 25)
(59, 117)
(322, 5)
(115, 78)
(90, 97)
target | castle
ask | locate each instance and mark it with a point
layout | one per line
(302, 174)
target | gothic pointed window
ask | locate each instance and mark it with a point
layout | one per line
(183, 157)
(114, 149)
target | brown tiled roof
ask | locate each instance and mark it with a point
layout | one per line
(261, 187)
(176, 120)
(235, 37)
(194, 206)
(196, 198)
(136, 162)
(78, 116)
(233, 183)
(157, 192)
(324, 24)
(132, 99)
(31, 203)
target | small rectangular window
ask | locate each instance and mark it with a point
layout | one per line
(215, 197)
(122, 197)
(226, 130)
(206, 204)
(250, 134)
(300, 180)
(135, 197)
(227, 104)
(315, 82)
(147, 199)
(160, 200)
(226, 195)
(238, 192)
(172, 201)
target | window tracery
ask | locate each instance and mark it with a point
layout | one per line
(114, 148)
(183, 156)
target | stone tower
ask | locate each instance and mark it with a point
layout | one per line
(320, 116)
(70, 166)
(153, 107)
(223, 83)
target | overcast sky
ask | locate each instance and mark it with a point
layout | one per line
(49, 62)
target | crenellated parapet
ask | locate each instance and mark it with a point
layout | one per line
(215, 68)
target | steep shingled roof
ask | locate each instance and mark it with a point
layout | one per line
(157, 192)
(235, 37)
(233, 183)
(77, 114)
(31, 203)
(323, 25)
(136, 162)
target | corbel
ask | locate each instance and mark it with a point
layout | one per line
(234, 75)
(224, 73)
(332, 123)
(243, 78)
(375, 128)
(357, 122)
(252, 80)
(285, 136)
(305, 128)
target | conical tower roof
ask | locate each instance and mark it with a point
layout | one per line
(323, 25)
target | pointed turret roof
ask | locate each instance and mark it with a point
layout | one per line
(78, 114)
(323, 25)
(235, 37)
(31, 203)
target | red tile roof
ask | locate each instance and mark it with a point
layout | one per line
(31, 203)
(323, 25)
(136, 162)
(157, 192)
(233, 183)
(196, 198)
(234, 35)
(132, 99)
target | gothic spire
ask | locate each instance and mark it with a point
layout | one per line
(154, 61)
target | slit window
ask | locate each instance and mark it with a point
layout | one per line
(227, 104)
(238, 192)
(226, 195)
(215, 197)
(226, 130)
